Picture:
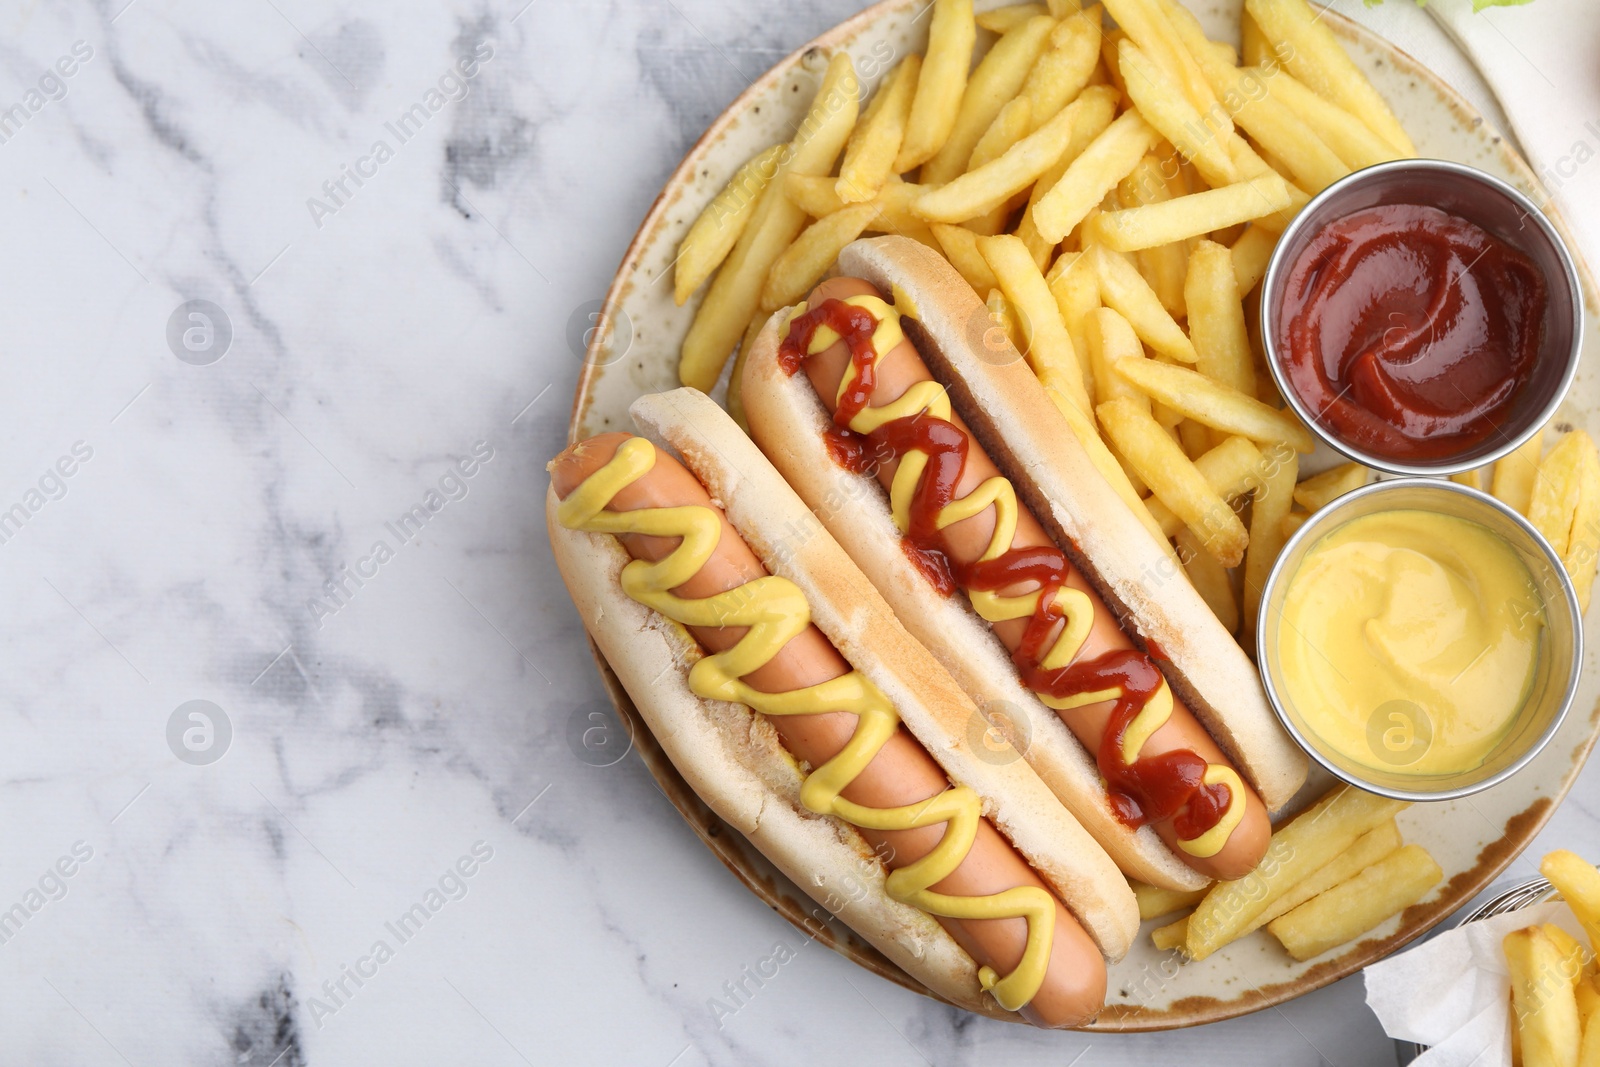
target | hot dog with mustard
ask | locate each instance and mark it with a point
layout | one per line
(962, 493)
(712, 591)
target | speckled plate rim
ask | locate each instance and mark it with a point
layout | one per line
(753, 870)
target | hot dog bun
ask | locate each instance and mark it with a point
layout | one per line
(734, 759)
(1011, 418)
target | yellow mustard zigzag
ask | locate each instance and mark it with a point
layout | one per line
(775, 610)
(930, 398)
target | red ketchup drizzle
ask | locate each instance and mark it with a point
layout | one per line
(1152, 788)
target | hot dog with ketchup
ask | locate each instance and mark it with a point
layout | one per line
(712, 592)
(1003, 551)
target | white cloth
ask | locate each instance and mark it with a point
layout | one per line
(1540, 60)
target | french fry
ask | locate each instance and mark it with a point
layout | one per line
(1578, 882)
(1298, 849)
(1075, 286)
(736, 291)
(996, 80)
(1292, 522)
(1583, 543)
(1219, 67)
(1062, 8)
(1347, 911)
(1172, 936)
(1277, 220)
(1472, 478)
(1065, 68)
(1216, 319)
(1254, 48)
(1095, 172)
(1318, 492)
(1001, 19)
(1273, 498)
(1556, 490)
(1232, 468)
(1571, 949)
(1110, 49)
(1111, 469)
(1146, 24)
(1209, 578)
(1221, 51)
(1250, 254)
(1374, 845)
(1514, 474)
(1048, 346)
(1163, 104)
(1124, 288)
(952, 33)
(960, 246)
(1314, 56)
(1163, 266)
(803, 264)
(1194, 215)
(869, 156)
(1199, 398)
(720, 225)
(1350, 138)
(1377, 844)
(1589, 1009)
(1276, 128)
(816, 195)
(1155, 902)
(819, 197)
(1169, 417)
(1543, 1004)
(1010, 126)
(1588, 999)
(990, 184)
(1172, 476)
(1098, 105)
(1107, 339)
(1147, 501)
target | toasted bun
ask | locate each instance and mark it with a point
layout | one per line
(1015, 422)
(733, 758)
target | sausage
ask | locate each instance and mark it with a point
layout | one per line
(901, 773)
(964, 541)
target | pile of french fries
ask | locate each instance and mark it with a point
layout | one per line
(1335, 872)
(1114, 183)
(1555, 993)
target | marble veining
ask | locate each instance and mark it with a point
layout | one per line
(314, 504)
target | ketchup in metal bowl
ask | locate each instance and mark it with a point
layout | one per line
(1410, 331)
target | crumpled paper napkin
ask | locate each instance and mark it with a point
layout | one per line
(1453, 992)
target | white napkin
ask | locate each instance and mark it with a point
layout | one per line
(1540, 60)
(1453, 992)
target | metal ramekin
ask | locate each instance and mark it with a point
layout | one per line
(1560, 648)
(1503, 212)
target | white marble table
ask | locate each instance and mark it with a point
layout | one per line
(317, 508)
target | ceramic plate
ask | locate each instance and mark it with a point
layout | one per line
(1473, 839)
